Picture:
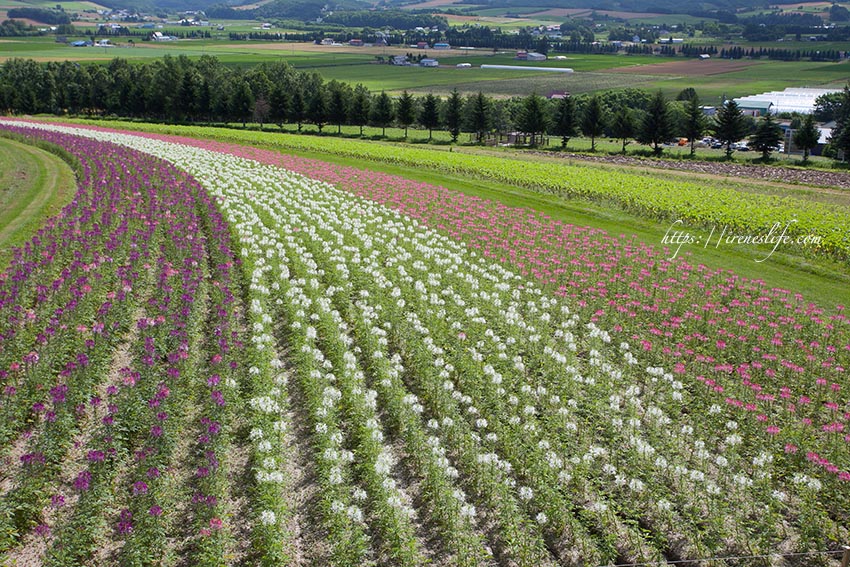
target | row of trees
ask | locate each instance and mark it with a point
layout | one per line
(204, 90)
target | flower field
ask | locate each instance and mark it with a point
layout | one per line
(643, 195)
(210, 359)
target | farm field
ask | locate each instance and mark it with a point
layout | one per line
(351, 64)
(401, 373)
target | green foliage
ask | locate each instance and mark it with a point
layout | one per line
(453, 115)
(657, 124)
(767, 137)
(840, 139)
(405, 111)
(827, 106)
(281, 105)
(565, 123)
(533, 118)
(360, 107)
(317, 108)
(839, 13)
(478, 114)
(730, 125)
(382, 112)
(42, 15)
(622, 125)
(687, 94)
(695, 123)
(241, 101)
(429, 114)
(806, 136)
(593, 121)
(337, 108)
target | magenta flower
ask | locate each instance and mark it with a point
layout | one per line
(83, 481)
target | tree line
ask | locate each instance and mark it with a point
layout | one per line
(179, 89)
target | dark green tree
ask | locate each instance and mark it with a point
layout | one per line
(241, 102)
(840, 138)
(281, 104)
(695, 123)
(565, 123)
(382, 112)
(405, 111)
(657, 125)
(99, 87)
(806, 137)
(453, 114)
(593, 121)
(298, 108)
(826, 106)
(187, 94)
(429, 114)
(203, 100)
(358, 110)
(339, 93)
(533, 118)
(767, 136)
(730, 125)
(687, 94)
(622, 126)
(317, 108)
(478, 113)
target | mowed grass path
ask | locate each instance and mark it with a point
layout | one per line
(34, 185)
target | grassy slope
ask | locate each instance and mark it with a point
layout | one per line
(33, 186)
(821, 280)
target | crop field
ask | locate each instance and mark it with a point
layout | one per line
(225, 354)
(521, 84)
(358, 65)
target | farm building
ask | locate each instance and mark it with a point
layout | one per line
(800, 100)
(524, 68)
(429, 63)
(356, 42)
(529, 56)
(824, 134)
(756, 107)
(159, 36)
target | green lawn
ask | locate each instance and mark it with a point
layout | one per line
(34, 185)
